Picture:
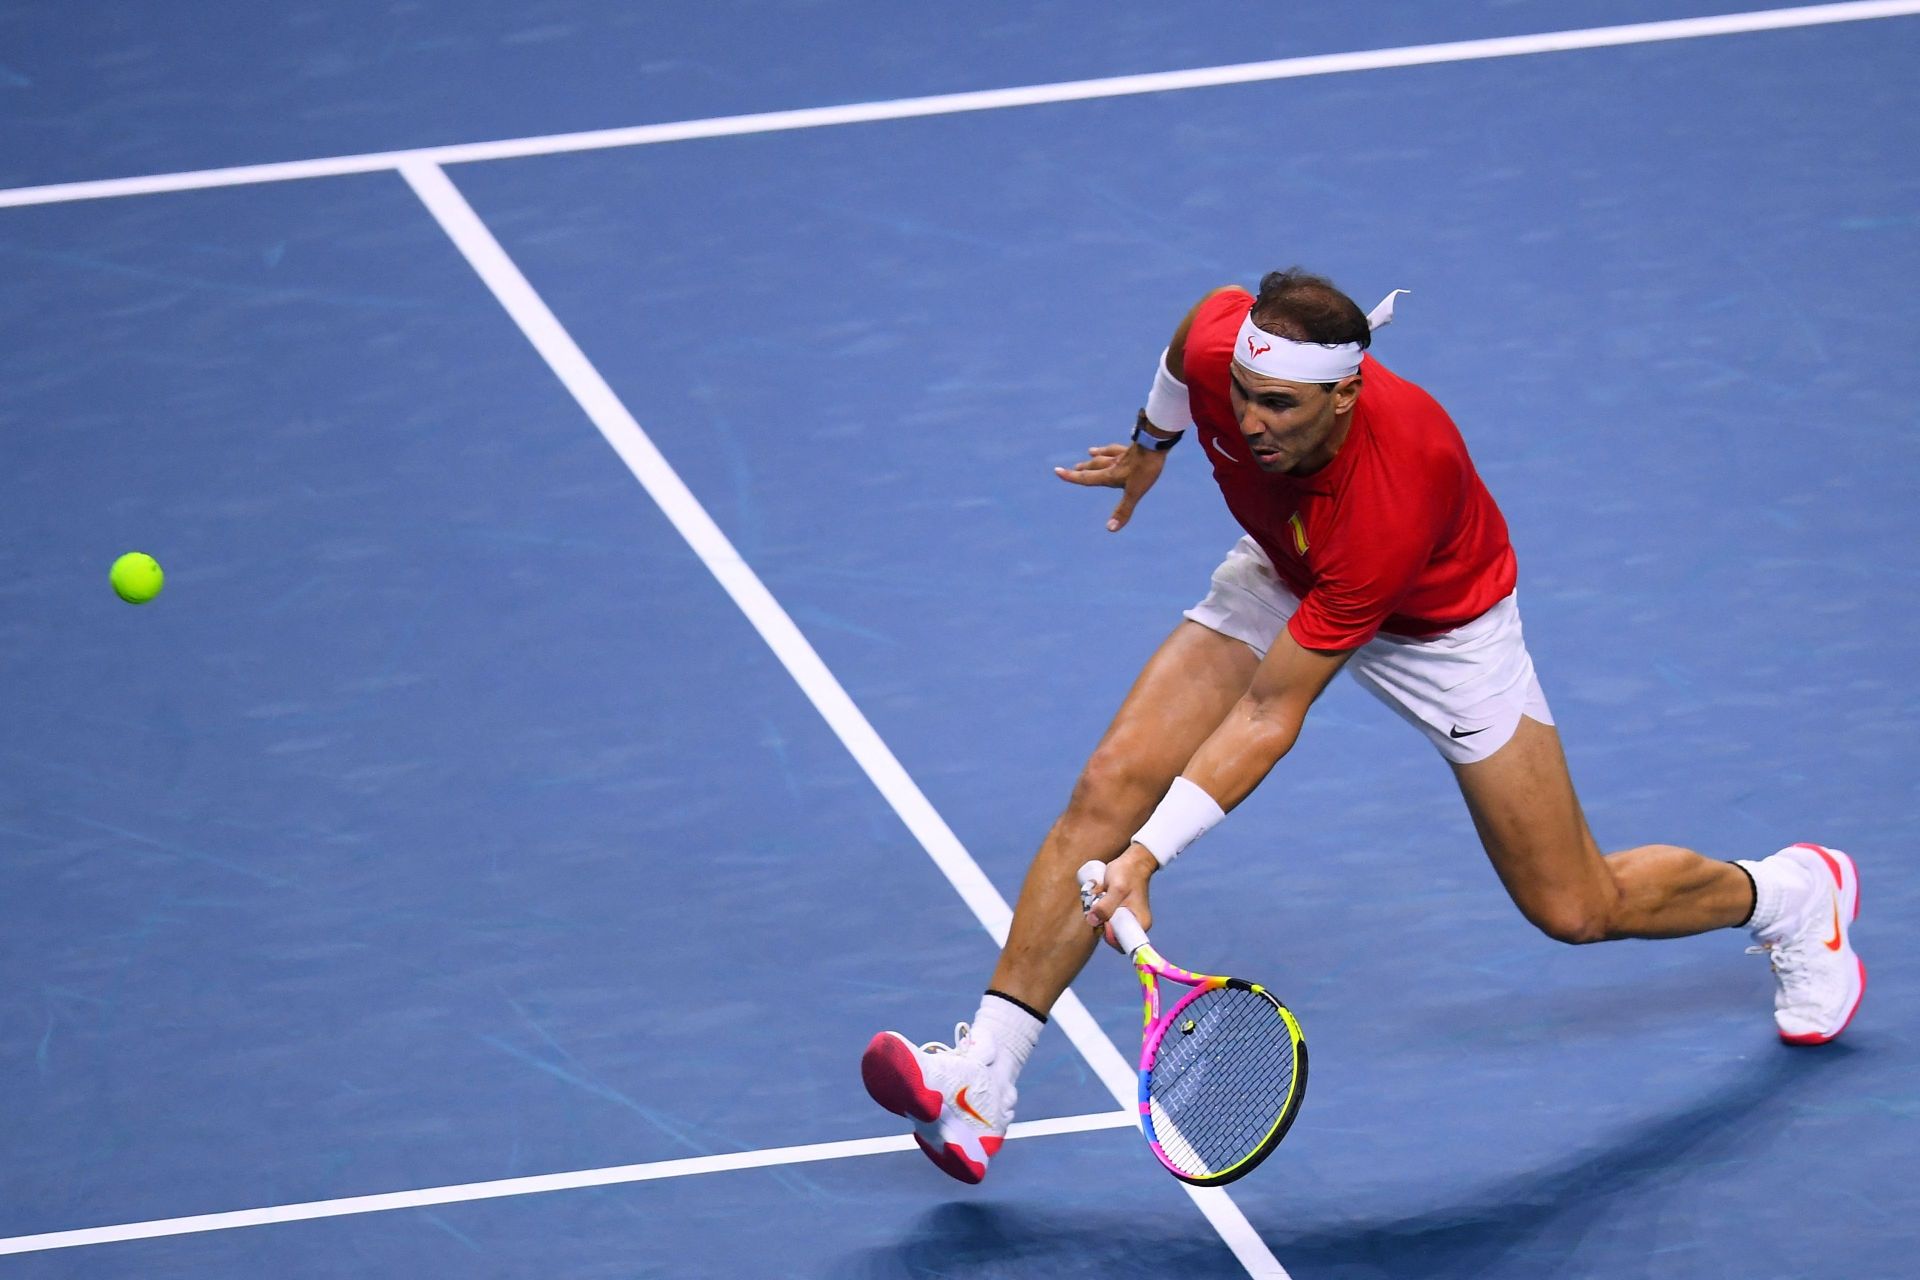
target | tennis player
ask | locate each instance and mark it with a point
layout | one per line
(1371, 544)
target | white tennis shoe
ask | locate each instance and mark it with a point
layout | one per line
(1819, 980)
(960, 1097)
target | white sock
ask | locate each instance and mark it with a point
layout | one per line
(1781, 891)
(1015, 1030)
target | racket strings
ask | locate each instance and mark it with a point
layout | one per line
(1220, 1080)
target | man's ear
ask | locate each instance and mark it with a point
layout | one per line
(1345, 393)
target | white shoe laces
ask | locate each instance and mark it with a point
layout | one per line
(1789, 965)
(962, 1038)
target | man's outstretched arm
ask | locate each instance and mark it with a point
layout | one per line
(1131, 468)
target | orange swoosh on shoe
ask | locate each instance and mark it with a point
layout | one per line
(1833, 943)
(960, 1098)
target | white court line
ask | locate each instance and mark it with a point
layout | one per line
(527, 1186)
(983, 100)
(544, 330)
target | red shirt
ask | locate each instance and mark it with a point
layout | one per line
(1396, 534)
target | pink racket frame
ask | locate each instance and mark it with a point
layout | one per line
(1151, 966)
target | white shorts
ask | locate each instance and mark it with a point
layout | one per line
(1466, 690)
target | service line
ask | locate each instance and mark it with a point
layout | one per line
(527, 1186)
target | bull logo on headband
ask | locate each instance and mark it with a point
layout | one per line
(1253, 352)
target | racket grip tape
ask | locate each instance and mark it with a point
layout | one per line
(1126, 929)
(1090, 874)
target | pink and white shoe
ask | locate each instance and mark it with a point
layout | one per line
(1819, 980)
(959, 1103)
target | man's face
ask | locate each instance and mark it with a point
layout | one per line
(1293, 428)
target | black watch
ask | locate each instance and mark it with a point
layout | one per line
(1146, 440)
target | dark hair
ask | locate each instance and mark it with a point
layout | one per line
(1307, 308)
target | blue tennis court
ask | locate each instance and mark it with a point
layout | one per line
(623, 641)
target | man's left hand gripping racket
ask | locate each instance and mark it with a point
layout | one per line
(1222, 1073)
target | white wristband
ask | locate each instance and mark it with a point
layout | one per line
(1167, 406)
(1181, 818)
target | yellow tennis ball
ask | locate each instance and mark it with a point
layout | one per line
(136, 577)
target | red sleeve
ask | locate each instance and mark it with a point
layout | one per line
(1384, 536)
(1209, 350)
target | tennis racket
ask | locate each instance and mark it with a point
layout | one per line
(1222, 1073)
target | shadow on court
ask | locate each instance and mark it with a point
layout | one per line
(1536, 1222)
(1002, 1240)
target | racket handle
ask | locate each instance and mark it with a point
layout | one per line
(1126, 930)
(1090, 874)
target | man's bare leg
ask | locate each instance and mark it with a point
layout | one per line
(1181, 696)
(961, 1098)
(1524, 807)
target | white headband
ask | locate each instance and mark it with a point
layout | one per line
(1272, 356)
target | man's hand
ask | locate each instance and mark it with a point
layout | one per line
(1126, 467)
(1125, 885)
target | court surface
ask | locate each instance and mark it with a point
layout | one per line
(623, 639)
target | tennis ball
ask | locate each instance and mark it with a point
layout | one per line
(136, 577)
